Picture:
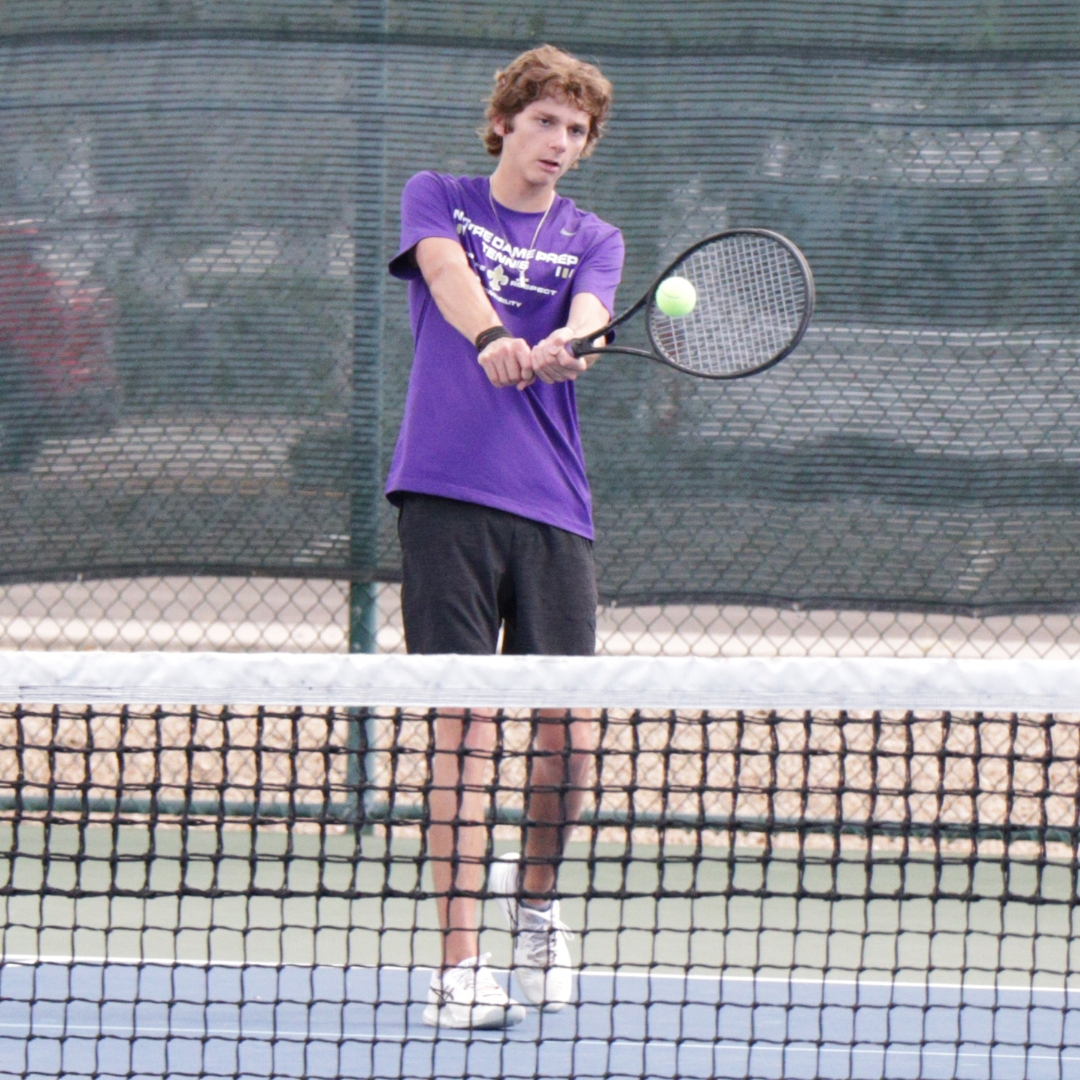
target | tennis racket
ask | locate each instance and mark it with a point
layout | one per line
(755, 297)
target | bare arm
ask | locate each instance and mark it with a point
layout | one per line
(461, 299)
(550, 360)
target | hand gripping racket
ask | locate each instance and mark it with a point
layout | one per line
(755, 297)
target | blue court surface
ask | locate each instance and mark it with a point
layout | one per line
(154, 1020)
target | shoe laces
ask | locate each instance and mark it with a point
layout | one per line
(477, 983)
(538, 934)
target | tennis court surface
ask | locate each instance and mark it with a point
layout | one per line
(115, 1019)
(235, 885)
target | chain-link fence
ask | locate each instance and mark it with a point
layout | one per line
(203, 361)
(312, 615)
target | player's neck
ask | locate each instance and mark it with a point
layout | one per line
(516, 193)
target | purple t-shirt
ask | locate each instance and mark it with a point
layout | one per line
(461, 437)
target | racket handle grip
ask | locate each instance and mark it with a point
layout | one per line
(582, 346)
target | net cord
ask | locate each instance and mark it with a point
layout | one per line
(542, 681)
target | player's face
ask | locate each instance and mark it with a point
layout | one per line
(543, 140)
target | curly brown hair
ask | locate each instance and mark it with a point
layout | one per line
(547, 72)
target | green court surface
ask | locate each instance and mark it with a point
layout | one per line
(234, 894)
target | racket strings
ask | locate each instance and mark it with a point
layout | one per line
(750, 286)
(752, 297)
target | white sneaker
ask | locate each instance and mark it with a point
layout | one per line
(467, 996)
(541, 940)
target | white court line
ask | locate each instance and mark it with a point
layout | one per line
(892, 1049)
(27, 960)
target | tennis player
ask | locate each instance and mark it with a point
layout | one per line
(495, 516)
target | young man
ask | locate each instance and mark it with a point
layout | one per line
(494, 508)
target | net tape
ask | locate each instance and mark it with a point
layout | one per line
(542, 681)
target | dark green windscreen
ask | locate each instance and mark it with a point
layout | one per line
(203, 361)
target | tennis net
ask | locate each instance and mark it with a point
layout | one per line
(217, 866)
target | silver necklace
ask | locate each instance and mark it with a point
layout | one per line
(521, 279)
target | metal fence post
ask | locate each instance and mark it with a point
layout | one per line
(365, 480)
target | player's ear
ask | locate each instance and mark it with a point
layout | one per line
(501, 125)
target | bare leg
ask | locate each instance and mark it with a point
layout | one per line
(461, 773)
(559, 770)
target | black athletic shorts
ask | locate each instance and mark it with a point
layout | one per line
(469, 570)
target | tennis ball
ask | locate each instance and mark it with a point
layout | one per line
(676, 297)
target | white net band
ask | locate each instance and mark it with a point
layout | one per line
(542, 681)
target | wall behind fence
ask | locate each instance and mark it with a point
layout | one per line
(202, 361)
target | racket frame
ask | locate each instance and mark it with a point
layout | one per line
(581, 346)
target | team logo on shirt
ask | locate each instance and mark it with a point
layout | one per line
(508, 257)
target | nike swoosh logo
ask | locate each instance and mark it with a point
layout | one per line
(565, 233)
